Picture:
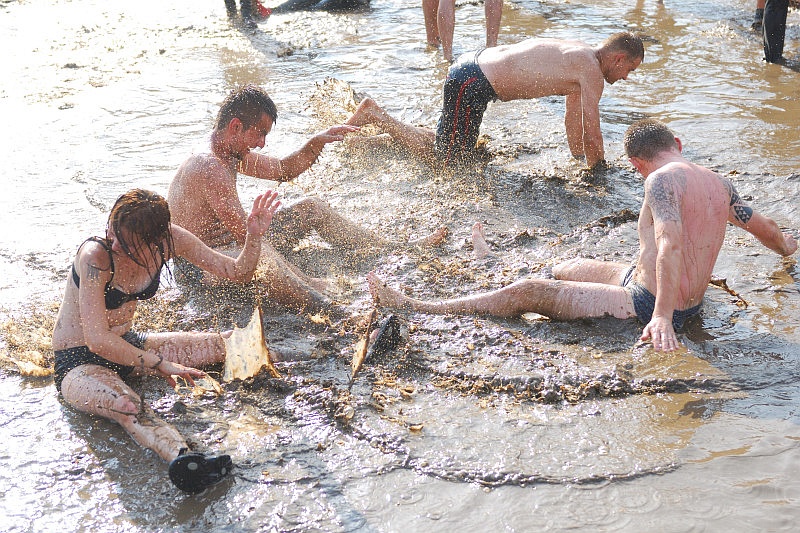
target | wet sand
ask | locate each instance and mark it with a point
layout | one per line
(524, 424)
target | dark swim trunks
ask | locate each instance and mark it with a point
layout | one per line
(71, 358)
(467, 93)
(644, 303)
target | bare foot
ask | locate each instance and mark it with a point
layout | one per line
(479, 244)
(384, 295)
(367, 112)
(434, 239)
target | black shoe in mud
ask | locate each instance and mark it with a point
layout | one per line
(388, 338)
(193, 472)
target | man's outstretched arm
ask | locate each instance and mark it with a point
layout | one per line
(271, 168)
(761, 227)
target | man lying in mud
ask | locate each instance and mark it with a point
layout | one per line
(204, 199)
(682, 225)
(529, 69)
(96, 349)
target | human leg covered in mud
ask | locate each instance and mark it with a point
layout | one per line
(101, 391)
(314, 214)
(416, 139)
(559, 299)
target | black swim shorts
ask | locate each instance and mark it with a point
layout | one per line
(467, 93)
(644, 303)
(71, 358)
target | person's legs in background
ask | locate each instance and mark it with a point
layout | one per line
(774, 30)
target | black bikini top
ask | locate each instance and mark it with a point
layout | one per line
(115, 298)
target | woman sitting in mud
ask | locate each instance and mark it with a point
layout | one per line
(95, 347)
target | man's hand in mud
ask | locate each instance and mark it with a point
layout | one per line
(662, 334)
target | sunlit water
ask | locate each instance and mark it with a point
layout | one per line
(480, 424)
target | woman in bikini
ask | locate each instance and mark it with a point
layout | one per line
(96, 348)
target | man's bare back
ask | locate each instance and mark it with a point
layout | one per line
(542, 67)
(672, 193)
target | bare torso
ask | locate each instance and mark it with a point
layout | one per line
(541, 67)
(704, 208)
(128, 277)
(202, 180)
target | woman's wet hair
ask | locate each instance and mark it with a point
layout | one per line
(626, 42)
(246, 103)
(144, 215)
(647, 138)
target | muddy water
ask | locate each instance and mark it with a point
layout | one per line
(522, 424)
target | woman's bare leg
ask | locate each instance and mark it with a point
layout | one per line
(190, 348)
(493, 10)
(429, 9)
(314, 214)
(446, 22)
(100, 391)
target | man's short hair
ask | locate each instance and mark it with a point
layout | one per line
(631, 45)
(647, 138)
(246, 103)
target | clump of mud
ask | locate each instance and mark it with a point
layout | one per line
(26, 337)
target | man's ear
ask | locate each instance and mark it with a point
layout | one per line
(636, 162)
(235, 125)
(680, 144)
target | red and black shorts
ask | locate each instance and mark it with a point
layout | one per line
(467, 93)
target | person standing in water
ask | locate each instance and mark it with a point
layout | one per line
(682, 224)
(93, 340)
(440, 22)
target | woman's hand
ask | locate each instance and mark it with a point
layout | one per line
(264, 207)
(167, 369)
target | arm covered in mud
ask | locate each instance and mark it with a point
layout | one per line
(271, 168)
(663, 193)
(761, 227)
(241, 268)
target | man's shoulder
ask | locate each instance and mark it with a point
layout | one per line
(202, 167)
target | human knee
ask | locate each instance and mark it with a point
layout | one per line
(311, 208)
(563, 270)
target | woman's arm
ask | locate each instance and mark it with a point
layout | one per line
(241, 268)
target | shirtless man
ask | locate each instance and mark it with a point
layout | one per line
(529, 69)
(682, 224)
(204, 200)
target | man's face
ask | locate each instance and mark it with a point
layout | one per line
(255, 136)
(621, 66)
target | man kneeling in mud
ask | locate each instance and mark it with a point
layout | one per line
(682, 225)
(204, 199)
(532, 68)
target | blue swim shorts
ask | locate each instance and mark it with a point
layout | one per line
(644, 303)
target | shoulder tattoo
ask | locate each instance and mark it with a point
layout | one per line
(93, 273)
(665, 192)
